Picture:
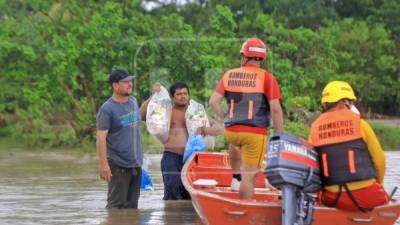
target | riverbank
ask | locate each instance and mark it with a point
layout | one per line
(10, 146)
(388, 135)
(388, 132)
(387, 122)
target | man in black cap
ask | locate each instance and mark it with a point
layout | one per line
(119, 144)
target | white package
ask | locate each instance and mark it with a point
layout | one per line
(158, 115)
(196, 117)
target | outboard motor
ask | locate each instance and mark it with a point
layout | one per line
(292, 166)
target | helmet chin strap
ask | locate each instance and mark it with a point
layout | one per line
(352, 107)
(248, 60)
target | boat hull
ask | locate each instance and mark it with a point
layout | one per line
(219, 205)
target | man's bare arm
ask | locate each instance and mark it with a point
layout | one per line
(276, 115)
(143, 109)
(101, 146)
(214, 129)
(215, 104)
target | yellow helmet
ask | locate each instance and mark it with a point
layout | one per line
(337, 90)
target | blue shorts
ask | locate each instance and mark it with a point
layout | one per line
(171, 166)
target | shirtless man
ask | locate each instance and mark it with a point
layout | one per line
(174, 147)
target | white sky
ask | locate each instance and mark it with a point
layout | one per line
(152, 5)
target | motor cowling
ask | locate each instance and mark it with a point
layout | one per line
(292, 161)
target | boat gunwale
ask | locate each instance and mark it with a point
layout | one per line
(206, 193)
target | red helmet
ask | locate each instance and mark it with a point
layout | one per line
(254, 48)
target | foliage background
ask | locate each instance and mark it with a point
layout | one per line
(55, 56)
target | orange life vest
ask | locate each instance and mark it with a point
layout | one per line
(343, 154)
(244, 93)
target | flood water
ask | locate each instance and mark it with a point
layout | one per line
(46, 188)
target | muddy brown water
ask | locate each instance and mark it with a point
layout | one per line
(47, 188)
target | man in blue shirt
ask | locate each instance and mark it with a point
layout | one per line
(119, 144)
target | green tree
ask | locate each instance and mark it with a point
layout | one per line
(366, 59)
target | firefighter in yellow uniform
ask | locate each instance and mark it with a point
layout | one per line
(351, 158)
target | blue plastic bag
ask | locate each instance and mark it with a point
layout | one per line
(146, 183)
(195, 143)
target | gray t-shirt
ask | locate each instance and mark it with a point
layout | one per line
(122, 120)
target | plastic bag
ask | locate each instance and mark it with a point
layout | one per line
(195, 143)
(146, 182)
(196, 117)
(158, 116)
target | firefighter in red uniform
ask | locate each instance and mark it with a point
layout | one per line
(351, 158)
(253, 97)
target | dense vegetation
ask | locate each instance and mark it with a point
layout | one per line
(55, 56)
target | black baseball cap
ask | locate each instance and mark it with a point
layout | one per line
(119, 75)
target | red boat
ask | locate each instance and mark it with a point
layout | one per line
(207, 177)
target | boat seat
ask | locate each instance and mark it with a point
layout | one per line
(223, 175)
